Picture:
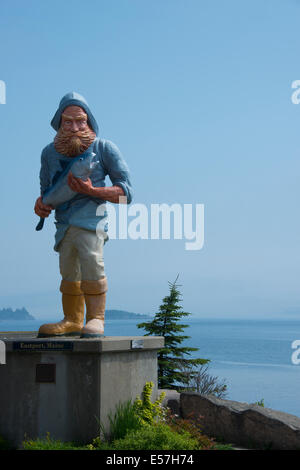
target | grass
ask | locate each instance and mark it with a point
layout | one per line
(5, 445)
(120, 422)
(51, 444)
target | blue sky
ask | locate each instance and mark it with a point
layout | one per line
(197, 96)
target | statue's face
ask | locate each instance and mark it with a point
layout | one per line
(74, 135)
(74, 119)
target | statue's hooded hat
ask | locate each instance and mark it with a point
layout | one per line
(74, 99)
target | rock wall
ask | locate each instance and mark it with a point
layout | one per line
(250, 426)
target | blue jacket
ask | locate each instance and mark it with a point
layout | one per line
(81, 210)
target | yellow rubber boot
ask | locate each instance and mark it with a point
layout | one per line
(95, 298)
(73, 308)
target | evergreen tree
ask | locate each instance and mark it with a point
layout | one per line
(173, 360)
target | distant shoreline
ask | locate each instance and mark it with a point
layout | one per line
(20, 314)
(7, 314)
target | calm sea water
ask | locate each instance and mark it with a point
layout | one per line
(254, 357)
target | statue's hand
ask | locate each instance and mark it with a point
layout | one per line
(80, 186)
(42, 210)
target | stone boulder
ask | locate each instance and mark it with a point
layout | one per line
(250, 426)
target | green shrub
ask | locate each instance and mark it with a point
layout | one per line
(192, 426)
(157, 436)
(147, 411)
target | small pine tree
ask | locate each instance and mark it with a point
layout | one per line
(172, 358)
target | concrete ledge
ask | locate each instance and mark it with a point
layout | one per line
(28, 341)
(251, 426)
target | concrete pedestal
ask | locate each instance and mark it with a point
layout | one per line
(68, 386)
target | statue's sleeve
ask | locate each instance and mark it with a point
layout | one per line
(44, 173)
(117, 169)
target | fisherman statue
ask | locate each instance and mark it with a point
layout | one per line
(72, 181)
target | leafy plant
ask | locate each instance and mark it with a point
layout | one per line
(191, 425)
(260, 403)
(147, 411)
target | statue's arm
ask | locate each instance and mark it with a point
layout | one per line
(110, 194)
(41, 209)
(117, 169)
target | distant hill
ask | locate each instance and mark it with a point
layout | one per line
(22, 314)
(124, 315)
(18, 314)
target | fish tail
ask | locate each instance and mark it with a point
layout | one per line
(40, 225)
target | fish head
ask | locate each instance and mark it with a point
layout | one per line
(84, 166)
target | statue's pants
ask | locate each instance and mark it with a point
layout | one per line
(83, 283)
(81, 255)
